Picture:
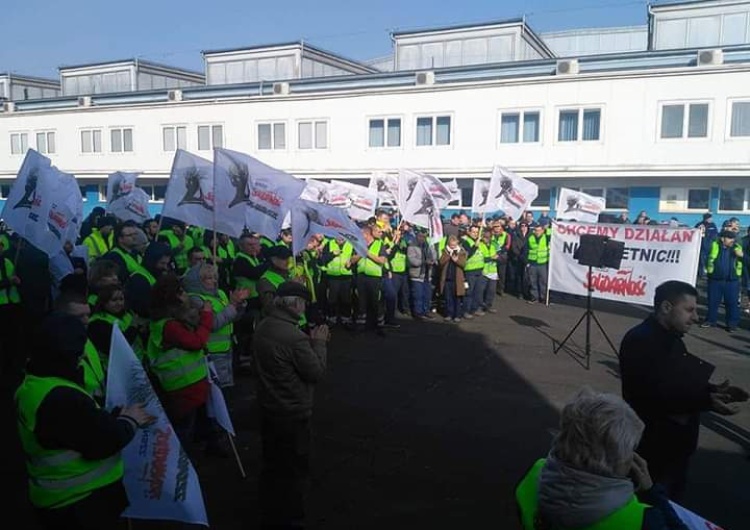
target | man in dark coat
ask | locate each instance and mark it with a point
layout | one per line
(668, 387)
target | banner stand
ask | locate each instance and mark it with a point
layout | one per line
(588, 315)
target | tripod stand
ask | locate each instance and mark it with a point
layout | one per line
(588, 315)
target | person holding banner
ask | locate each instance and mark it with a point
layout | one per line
(668, 387)
(592, 477)
(72, 446)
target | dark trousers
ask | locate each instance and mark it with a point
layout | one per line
(340, 298)
(99, 510)
(729, 292)
(285, 470)
(454, 306)
(393, 290)
(421, 296)
(474, 294)
(487, 287)
(516, 278)
(538, 281)
(321, 294)
(371, 306)
(12, 352)
(502, 271)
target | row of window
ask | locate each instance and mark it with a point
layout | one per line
(677, 121)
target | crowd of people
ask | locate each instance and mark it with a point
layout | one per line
(193, 303)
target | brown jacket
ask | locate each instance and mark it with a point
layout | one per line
(288, 364)
(460, 264)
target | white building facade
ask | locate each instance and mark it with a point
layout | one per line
(661, 130)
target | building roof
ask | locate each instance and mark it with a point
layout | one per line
(136, 62)
(292, 44)
(458, 27)
(30, 78)
(670, 4)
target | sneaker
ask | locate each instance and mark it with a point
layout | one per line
(706, 325)
(456, 320)
(448, 319)
(479, 313)
(392, 325)
(531, 301)
(731, 330)
(468, 316)
(492, 311)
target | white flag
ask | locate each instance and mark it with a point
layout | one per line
(216, 406)
(421, 210)
(310, 218)
(263, 193)
(160, 480)
(510, 193)
(337, 195)
(439, 191)
(454, 189)
(66, 209)
(315, 191)
(578, 206)
(190, 192)
(691, 520)
(131, 207)
(119, 185)
(407, 183)
(74, 227)
(386, 186)
(362, 200)
(480, 196)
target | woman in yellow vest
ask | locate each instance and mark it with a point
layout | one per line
(110, 310)
(178, 336)
(72, 446)
(201, 284)
(593, 479)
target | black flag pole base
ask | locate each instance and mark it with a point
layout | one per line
(587, 316)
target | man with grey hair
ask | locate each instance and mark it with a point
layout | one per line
(288, 364)
(668, 387)
(593, 478)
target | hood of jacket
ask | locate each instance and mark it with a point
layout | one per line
(572, 498)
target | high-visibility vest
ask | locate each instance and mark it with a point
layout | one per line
(124, 324)
(175, 368)
(92, 299)
(196, 233)
(368, 267)
(629, 517)
(488, 253)
(442, 244)
(274, 278)
(228, 252)
(9, 295)
(302, 269)
(337, 266)
(94, 374)
(398, 260)
(500, 240)
(538, 250)
(57, 477)
(220, 341)
(246, 283)
(181, 258)
(132, 264)
(714, 253)
(97, 246)
(476, 260)
(146, 274)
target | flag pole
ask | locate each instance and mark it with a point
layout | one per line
(236, 455)
(18, 251)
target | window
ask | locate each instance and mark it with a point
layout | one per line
(385, 132)
(83, 192)
(45, 142)
(121, 140)
(466, 195)
(732, 200)
(676, 123)
(155, 192)
(740, 124)
(617, 198)
(543, 199)
(175, 137)
(312, 135)
(272, 135)
(210, 137)
(583, 124)
(434, 130)
(518, 127)
(684, 199)
(5, 190)
(102, 192)
(19, 143)
(91, 141)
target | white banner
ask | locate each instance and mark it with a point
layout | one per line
(124, 200)
(386, 186)
(216, 405)
(480, 196)
(310, 218)
(439, 191)
(691, 520)
(421, 210)
(190, 192)
(315, 191)
(454, 189)
(577, 206)
(160, 481)
(407, 183)
(511, 193)
(262, 193)
(64, 218)
(119, 185)
(653, 255)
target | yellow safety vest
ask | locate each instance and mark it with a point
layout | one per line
(9, 295)
(175, 368)
(538, 250)
(714, 253)
(368, 267)
(220, 341)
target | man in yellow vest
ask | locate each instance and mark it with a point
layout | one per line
(72, 446)
(503, 240)
(724, 271)
(337, 258)
(370, 270)
(276, 274)
(100, 240)
(124, 252)
(10, 313)
(173, 234)
(473, 272)
(537, 258)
